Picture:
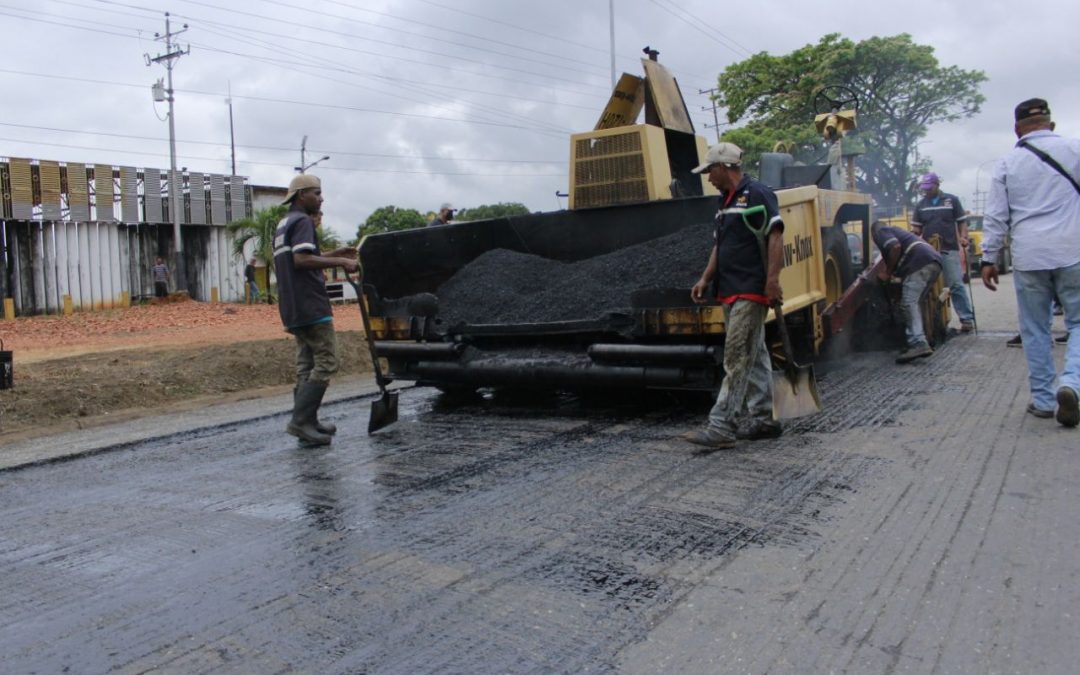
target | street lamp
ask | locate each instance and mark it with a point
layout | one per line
(978, 204)
(305, 167)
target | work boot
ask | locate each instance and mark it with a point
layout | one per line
(966, 326)
(324, 428)
(754, 430)
(309, 397)
(1015, 341)
(1068, 410)
(1039, 412)
(710, 438)
(1062, 339)
(917, 352)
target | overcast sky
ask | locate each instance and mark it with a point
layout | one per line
(418, 102)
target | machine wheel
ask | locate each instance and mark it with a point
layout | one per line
(838, 270)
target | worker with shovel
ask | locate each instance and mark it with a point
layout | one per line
(909, 258)
(746, 283)
(305, 305)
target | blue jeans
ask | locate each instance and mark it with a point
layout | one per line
(254, 288)
(911, 295)
(747, 387)
(1034, 295)
(954, 279)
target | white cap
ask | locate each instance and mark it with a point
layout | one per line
(721, 153)
(447, 206)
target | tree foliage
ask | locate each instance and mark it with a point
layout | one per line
(258, 231)
(902, 91)
(390, 219)
(486, 211)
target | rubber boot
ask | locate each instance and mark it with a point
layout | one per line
(305, 411)
(327, 428)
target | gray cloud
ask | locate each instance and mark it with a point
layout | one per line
(471, 101)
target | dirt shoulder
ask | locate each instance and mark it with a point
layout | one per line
(96, 368)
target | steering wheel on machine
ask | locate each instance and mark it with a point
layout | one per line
(835, 97)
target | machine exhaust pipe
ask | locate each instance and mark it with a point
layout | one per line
(549, 375)
(700, 355)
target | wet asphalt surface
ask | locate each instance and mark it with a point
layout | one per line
(922, 523)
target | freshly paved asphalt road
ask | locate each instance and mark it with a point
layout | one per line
(922, 523)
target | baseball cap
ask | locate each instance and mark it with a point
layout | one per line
(928, 181)
(1031, 108)
(721, 153)
(447, 206)
(300, 182)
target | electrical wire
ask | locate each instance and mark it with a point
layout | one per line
(336, 151)
(266, 99)
(379, 169)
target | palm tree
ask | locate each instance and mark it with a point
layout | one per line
(259, 231)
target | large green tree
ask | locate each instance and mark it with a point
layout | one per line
(486, 211)
(390, 219)
(901, 87)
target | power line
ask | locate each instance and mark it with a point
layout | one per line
(324, 31)
(283, 164)
(282, 149)
(442, 30)
(715, 35)
(266, 99)
(318, 62)
(515, 26)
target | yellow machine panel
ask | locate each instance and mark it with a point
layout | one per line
(667, 100)
(624, 165)
(625, 103)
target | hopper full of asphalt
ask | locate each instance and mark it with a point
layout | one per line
(509, 287)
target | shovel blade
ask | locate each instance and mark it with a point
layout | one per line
(796, 398)
(383, 412)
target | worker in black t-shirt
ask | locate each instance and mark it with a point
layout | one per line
(743, 275)
(305, 306)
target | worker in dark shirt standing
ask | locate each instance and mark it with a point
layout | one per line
(917, 263)
(305, 306)
(939, 213)
(746, 283)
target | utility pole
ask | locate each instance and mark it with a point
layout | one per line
(611, 19)
(176, 197)
(232, 137)
(716, 119)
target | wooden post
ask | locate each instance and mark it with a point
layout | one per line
(69, 306)
(9, 308)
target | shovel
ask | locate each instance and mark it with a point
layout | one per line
(384, 411)
(794, 388)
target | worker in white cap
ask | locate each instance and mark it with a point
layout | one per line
(304, 305)
(742, 276)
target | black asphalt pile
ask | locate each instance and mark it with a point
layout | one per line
(503, 286)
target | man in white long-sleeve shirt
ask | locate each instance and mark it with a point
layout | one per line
(1037, 205)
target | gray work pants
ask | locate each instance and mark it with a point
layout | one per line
(747, 387)
(316, 352)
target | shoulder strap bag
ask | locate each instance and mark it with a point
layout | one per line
(1051, 161)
